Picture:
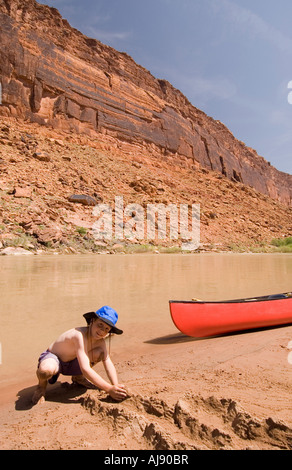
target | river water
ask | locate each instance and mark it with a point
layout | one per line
(42, 296)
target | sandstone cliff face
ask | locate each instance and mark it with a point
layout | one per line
(53, 75)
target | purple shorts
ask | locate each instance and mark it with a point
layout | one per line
(65, 368)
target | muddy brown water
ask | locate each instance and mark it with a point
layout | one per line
(42, 296)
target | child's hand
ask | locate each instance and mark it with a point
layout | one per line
(118, 392)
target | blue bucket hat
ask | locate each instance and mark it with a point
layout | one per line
(106, 314)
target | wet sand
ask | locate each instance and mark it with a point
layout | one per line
(228, 392)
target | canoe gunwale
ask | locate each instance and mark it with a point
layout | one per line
(266, 298)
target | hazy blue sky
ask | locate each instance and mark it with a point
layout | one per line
(231, 58)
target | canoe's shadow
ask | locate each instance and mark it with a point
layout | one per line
(181, 338)
(173, 339)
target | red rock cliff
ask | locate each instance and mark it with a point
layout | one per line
(52, 74)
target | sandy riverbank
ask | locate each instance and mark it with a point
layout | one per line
(230, 392)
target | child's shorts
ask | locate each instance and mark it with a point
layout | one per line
(65, 368)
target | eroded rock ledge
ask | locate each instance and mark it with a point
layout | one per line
(52, 74)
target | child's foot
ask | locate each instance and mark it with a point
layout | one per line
(80, 380)
(38, 396)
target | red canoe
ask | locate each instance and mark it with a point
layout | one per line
(201, 319)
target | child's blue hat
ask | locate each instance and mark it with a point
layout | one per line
(106, 314)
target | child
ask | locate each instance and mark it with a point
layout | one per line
(76, 351)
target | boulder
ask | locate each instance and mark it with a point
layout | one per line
(23, 192)
(83, 199)
(17, 251)
(42, 156)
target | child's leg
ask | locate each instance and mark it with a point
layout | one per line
(96, 355)
(81, 380)
(47, 368)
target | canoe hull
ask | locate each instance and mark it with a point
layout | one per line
(203, 319)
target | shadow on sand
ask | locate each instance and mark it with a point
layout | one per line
(181, 338)
(173, 339)
(61, 392)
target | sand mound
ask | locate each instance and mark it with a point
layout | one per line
(92, 420)
(192, 423)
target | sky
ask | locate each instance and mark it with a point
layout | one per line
(231, 58)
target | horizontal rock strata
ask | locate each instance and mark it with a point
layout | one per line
(52, 74)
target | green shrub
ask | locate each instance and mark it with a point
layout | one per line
(283, 244)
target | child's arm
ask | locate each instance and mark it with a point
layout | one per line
(115, 390)
(110, 370)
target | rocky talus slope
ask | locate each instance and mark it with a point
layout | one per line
(40, 169)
